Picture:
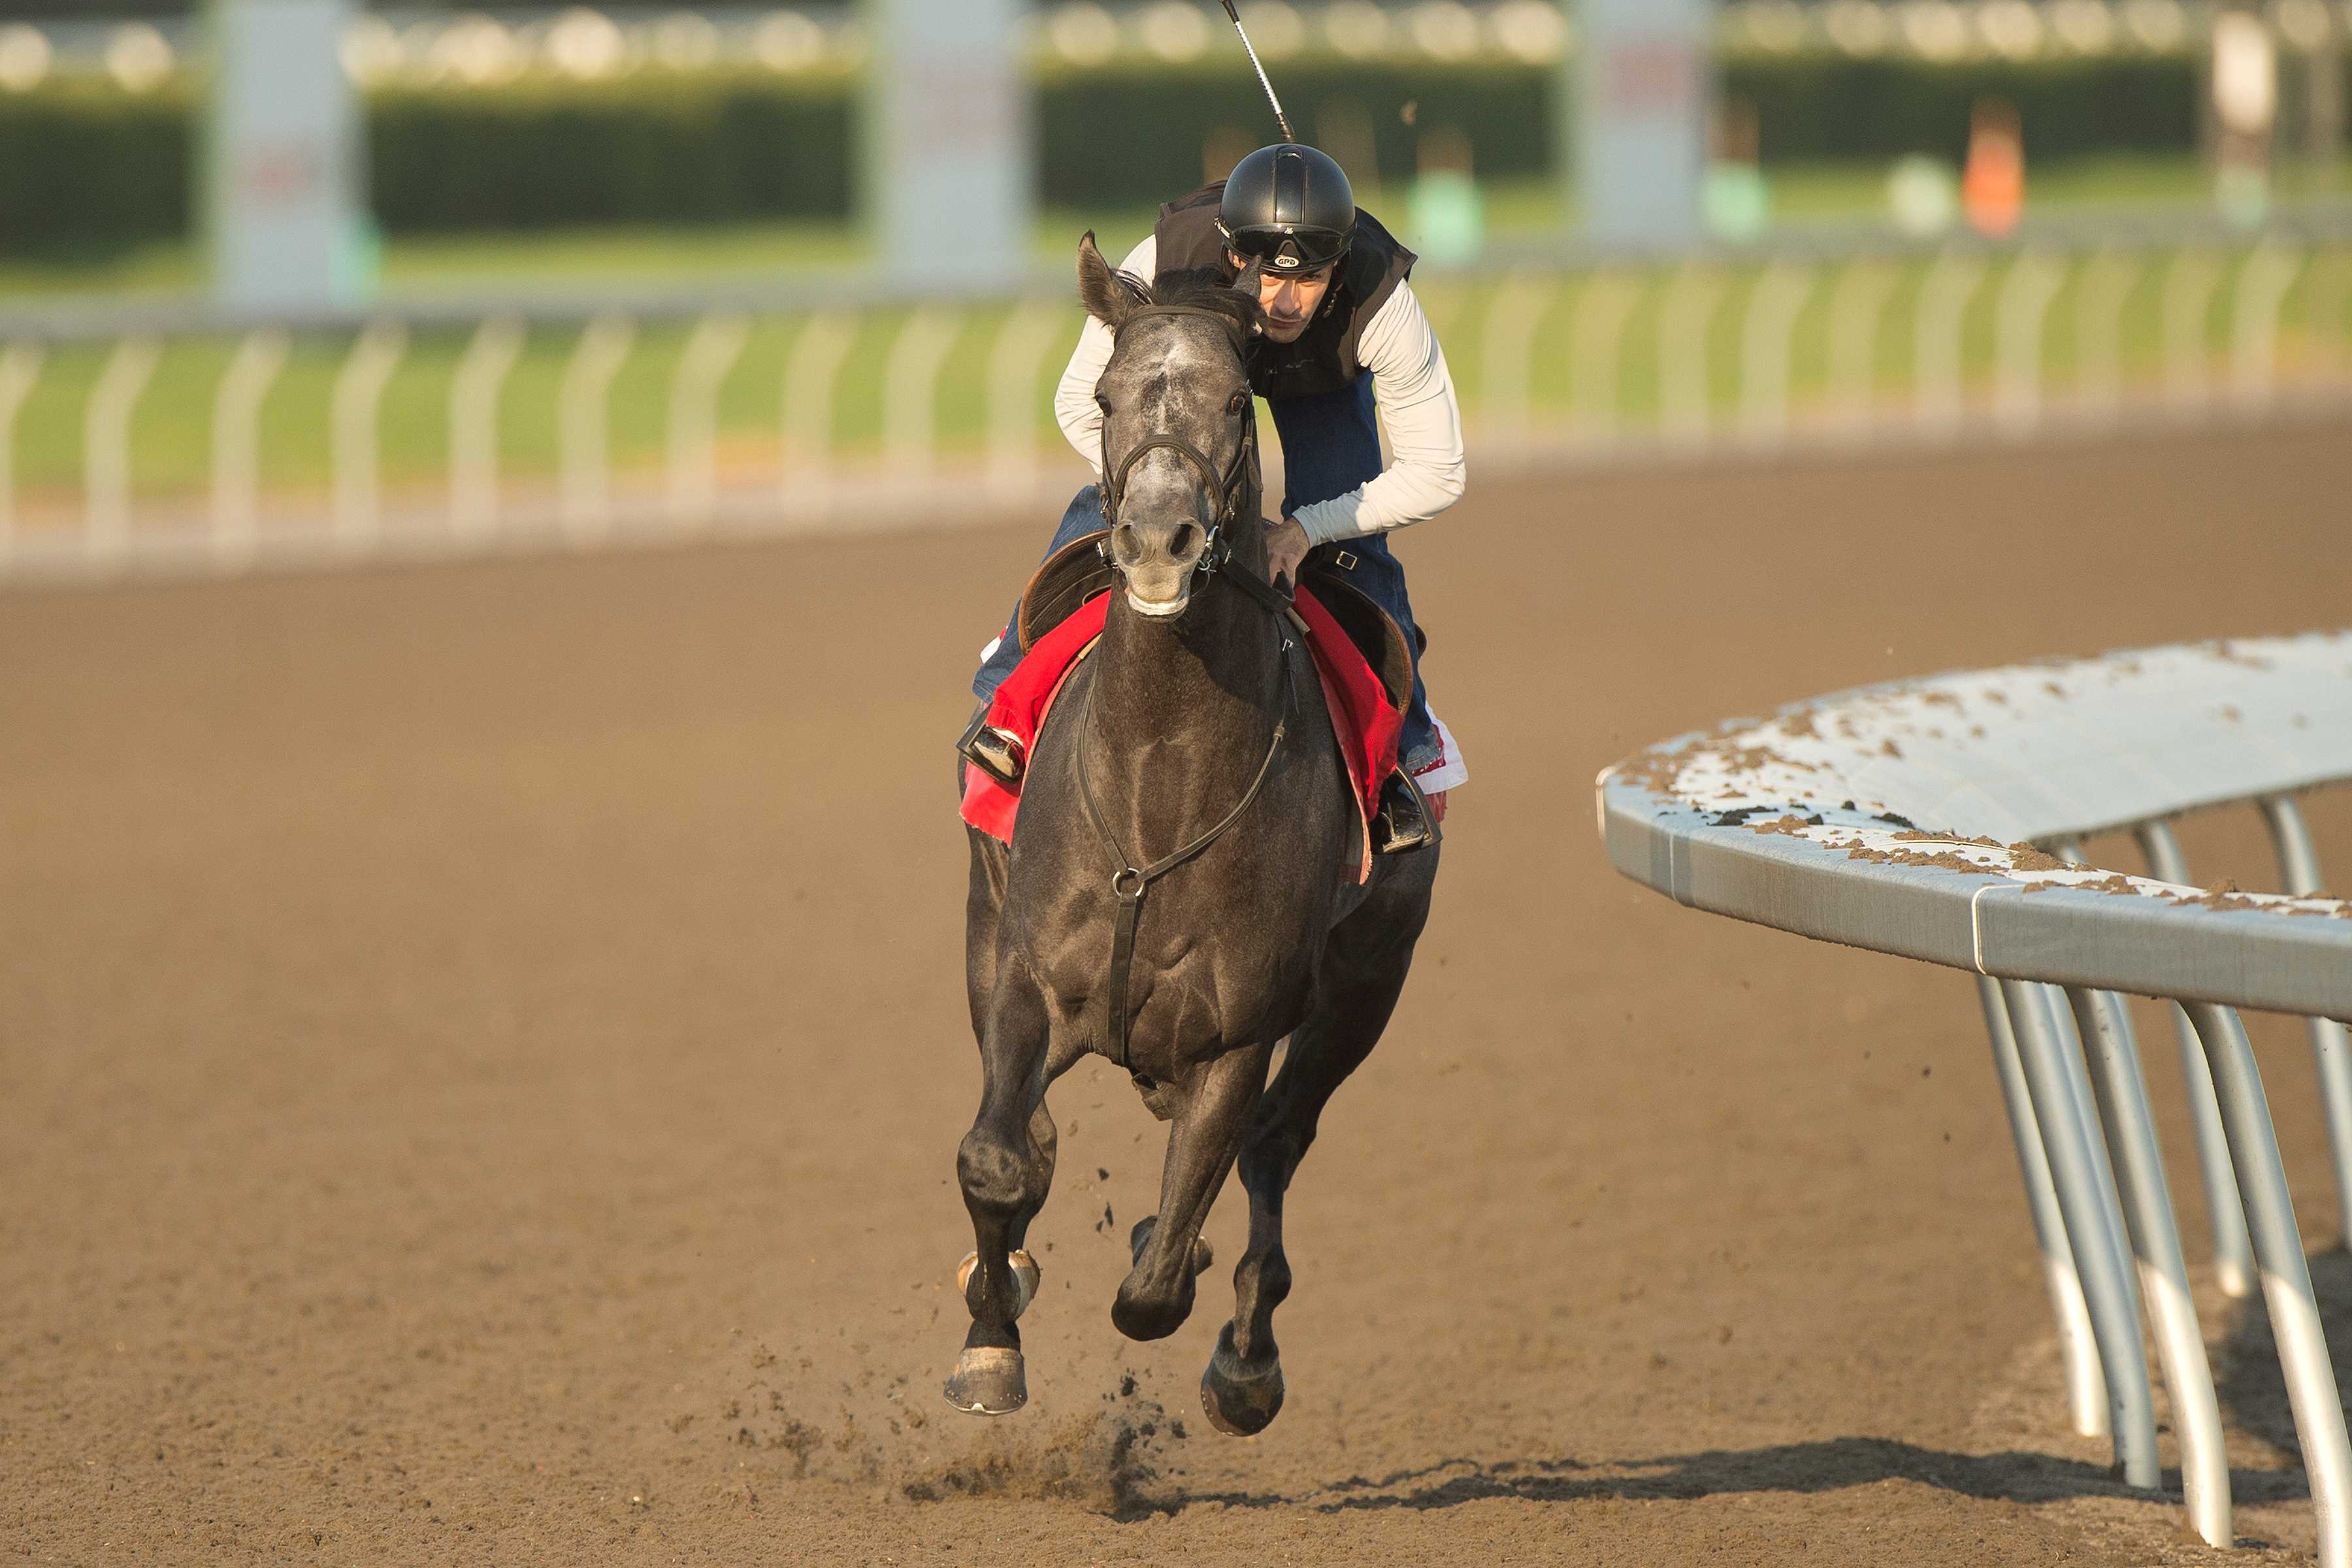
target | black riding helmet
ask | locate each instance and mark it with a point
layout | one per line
(1289, 207)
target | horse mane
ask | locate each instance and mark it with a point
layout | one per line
(1201, 288)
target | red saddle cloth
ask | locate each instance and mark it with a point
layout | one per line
(1366, 725)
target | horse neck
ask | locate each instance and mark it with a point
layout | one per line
(1199, 694)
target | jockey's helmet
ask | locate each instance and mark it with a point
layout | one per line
(1289, 206)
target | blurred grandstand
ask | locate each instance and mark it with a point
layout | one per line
(630, 284)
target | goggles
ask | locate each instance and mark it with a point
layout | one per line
(1285, 251)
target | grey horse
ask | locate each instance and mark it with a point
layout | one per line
(1196, 721)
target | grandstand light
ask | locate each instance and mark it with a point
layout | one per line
(1530, 30)
(2159, 26)
(686, 41)
(2302, 23)
(1083, 34)
(2011, 28)
(138, 58)
(1936, 29)
(370, 50)
(476, 52)
(23, 56)
(1357, 28)
(1777, 27)
(2245, 74)
(586, 44)
(1276, 28)
(2086, 26)
(1445, 29)
(1856, 26)
(787, 41)
(1175, 31)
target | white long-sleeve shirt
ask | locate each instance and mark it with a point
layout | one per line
(1410, 382)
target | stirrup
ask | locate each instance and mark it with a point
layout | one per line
(994, 752)
(1403, 823)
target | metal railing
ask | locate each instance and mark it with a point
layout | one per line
(1805, 822)
(163, 437)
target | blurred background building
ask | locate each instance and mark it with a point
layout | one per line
(294, 264)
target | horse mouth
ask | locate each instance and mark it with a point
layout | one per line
(1158, 609)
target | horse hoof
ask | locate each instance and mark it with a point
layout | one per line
(1239, 1400)
(989, 1381)
(1204, 1255)
(1025, 1275)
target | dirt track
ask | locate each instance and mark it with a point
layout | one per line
(485, 1052)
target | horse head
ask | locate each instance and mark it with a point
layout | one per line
(1179, 466)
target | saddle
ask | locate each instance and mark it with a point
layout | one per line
(1081, 569)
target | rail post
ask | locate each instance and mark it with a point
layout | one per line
(584, 456)
(2188, 287)
(2023, 308)
(237, 443)
(20, 371)
(1857, 308)
(2331, 1043)
(2086, 1386)
(1684, 319)
(482, 370)
(2064, 1117)
(1774, 306)
(2105, 287)
(353, 475)
(691, 458)
(2233, 1263)
(2287, 1276)
(1940, 342)
(1014, 366)
(106, 447)
(805, 480)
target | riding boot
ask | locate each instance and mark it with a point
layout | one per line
(990, 750)
(1404, 823)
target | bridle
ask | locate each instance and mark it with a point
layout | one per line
(1228, 487)
(1128, 884)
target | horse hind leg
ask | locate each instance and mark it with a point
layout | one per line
(1005, 1166)
(1242, 1389)
(1211, 1115)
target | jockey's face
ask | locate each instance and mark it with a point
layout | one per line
(1290, 299)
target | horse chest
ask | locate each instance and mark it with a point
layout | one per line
(1212, 967)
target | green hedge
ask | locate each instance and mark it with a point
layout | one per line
(674, 149)
(83, 164)
(1831, 108)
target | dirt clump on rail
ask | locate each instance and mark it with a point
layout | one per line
(486, 1050)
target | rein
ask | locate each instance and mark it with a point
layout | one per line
(1130, 882)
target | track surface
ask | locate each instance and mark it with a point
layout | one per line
(485, 1054)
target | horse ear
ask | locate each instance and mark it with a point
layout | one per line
(1246, 284)
(1100, 290)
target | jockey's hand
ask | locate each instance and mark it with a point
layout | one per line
(1286, 546)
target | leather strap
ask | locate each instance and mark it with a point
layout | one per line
(1129, 883)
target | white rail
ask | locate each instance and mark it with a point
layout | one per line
(1806, 822)
(1713, 354)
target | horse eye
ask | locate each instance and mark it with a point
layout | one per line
(1102, 402)
(1239, 400)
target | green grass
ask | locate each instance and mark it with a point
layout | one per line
(432, 264)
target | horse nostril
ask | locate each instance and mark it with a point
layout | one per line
(1181, 543)
(1125, 543)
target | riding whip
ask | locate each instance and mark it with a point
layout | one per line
(1280, 119)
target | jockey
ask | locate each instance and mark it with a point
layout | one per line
(1343, 335)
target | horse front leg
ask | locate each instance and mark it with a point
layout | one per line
(1212, 1116)
(1363, 974)
(1005, 1165)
